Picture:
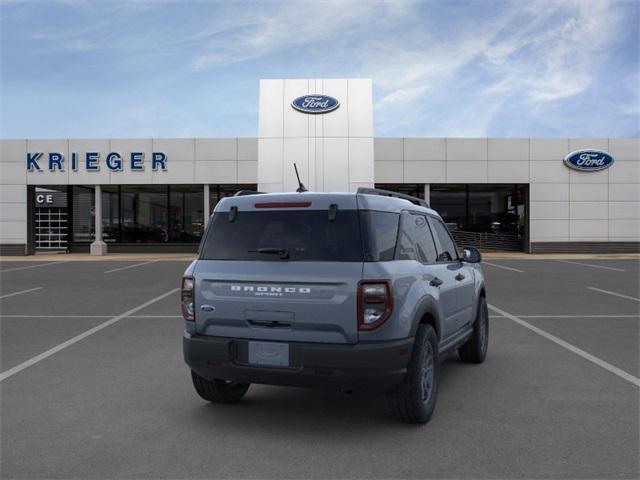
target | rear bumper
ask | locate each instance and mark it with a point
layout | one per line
(378, 366)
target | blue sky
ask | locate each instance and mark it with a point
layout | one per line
(93, 69)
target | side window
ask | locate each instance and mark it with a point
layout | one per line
(449, 251)
(379, 231)
(415, 240)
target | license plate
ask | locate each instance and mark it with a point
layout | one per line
(269, 353)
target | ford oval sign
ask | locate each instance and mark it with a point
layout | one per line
(588, 160)
(315, 104)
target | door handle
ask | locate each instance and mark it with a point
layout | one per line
(436, 282)
(459, 277)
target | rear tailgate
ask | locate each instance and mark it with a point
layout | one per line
(278, 300)
(281, 267)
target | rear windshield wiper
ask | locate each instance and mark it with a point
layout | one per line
(282, 252)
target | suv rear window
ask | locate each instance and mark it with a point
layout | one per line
(306, 235)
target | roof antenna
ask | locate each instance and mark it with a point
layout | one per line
(301, 188)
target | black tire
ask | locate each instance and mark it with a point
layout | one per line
(474, 350)
(219, 391)
(415, 399)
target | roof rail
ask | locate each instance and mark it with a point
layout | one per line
(389, 193)
(242, 193)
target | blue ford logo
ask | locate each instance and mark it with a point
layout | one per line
(588, 160)
(315, 104)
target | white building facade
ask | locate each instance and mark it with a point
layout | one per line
(157, 194)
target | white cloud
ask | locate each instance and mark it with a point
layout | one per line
(436, 68)
(275, 27)
(551, 62)
(530, 52)
(402, 96)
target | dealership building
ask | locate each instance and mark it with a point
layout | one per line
(156, 194)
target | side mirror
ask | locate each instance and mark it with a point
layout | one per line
(471, 255)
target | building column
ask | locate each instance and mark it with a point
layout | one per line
(427, 193)
(98, 247)
(31, 221)
(207, 208)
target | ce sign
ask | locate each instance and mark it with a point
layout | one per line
(44, 199)
(51, 199)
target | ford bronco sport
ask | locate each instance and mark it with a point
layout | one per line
(361, 290)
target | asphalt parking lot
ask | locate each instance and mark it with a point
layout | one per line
(93, 385)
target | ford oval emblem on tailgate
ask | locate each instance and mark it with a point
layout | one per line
(207, 308)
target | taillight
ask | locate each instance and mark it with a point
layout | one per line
(186, 299)
(375, 303)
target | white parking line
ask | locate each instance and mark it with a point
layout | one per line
(604, 267)
(502, 266)
(20, 292)
(565, 316)
(578, 316)
(33, 266)
(38, 358)
(131, 266)
(593, 359)
(614, 294)
(57, 316)
(85, 316)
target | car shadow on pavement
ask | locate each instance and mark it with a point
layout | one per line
(301, 411)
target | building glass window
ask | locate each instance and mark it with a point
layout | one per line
(83, 200)
(186, 213)
(482, 208)
(146, 213)
(218, 192)
(491, 216)
(83, 205)
(110, 214)
(144, 210)
(450, 201)
(413, 189)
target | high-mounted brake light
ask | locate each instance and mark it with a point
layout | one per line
(186, 299)
(375, 303)
(282, 204)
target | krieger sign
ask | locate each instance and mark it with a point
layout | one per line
(91, 161)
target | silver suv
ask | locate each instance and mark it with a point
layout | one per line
(361, 290)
